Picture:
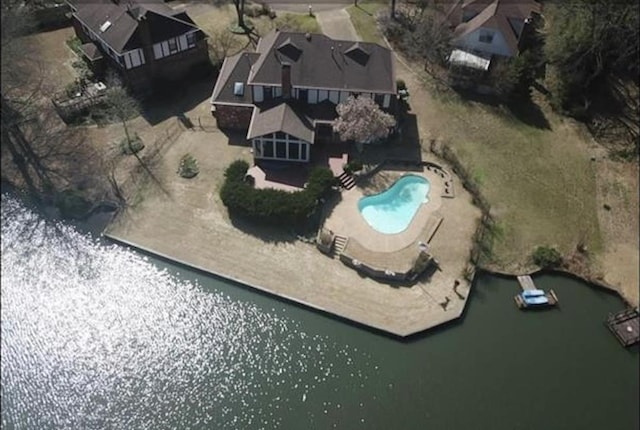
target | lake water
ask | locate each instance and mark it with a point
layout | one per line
(97, 336)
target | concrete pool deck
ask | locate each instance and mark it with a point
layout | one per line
(346, 220)
(185, 221)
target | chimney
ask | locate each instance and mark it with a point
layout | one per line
(286, 81)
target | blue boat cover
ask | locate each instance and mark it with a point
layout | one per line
(538, 300)
(532, 293)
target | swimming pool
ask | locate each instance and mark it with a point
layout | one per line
(391, 211)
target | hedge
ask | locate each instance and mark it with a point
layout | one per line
(276, 207)
(545, 256)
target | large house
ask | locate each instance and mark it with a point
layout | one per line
(491, 27)
(285, 94)
(145, 42)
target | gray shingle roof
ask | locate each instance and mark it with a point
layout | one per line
(122, 34)
(234, 69)
(91, 51)
(270, 118)
(324, 63)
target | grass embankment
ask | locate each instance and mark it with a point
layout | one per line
(534, 169)
(363, 19)
(539, 181)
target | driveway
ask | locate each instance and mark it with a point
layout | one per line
(336, 24)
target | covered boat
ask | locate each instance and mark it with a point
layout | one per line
(531, 298)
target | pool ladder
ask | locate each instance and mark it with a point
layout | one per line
(347, 181)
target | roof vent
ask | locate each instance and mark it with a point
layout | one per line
(104, 27)
(238, 89)
(307, 36)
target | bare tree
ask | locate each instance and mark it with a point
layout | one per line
(221, 44)
(122, 107)
(238, 5)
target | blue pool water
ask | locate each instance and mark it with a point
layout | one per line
(391, 211)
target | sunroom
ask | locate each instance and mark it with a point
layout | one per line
(279, 133)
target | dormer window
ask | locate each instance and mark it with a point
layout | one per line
(358, 54)
(290, 49)
(486, 36)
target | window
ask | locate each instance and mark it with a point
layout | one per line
(313, 96)
(271, 146)
(379, 99)
(258, 95)
(302, 95)
(173, 46)
(280, 135)
(294, 151)
(268, 93)
(157, 51)
(387, 101)
(257, 147)
(486, 36)
(267, 148)
(191, 40)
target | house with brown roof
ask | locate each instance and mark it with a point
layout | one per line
(144, 41)
(285, 93)
(491, 27)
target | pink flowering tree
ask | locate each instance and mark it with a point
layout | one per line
(360, 119)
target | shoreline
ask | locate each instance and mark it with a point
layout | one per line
(108, 219)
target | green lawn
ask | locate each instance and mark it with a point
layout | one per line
(540, 182)
(363, 19)
(74, 43)
(538, 178)
(295, 22)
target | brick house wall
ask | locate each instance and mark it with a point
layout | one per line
(233, 117)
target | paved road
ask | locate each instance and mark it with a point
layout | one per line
(303, 5)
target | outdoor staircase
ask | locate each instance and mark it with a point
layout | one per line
(339, 242)
(347, 181)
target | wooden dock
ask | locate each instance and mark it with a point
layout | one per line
(526, 283)
(625, 326)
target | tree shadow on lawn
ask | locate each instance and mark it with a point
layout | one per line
(405, 145)
(522, 108)
(177, 97)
